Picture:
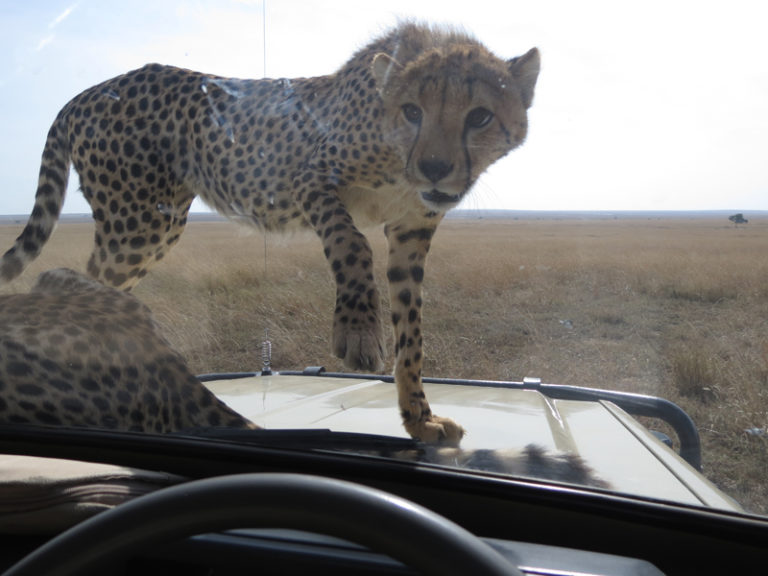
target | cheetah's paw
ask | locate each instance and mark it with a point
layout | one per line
(360, 349)
(436, 430)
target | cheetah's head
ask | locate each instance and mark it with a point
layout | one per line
(451, 112)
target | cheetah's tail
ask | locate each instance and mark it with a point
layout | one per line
(51, 188)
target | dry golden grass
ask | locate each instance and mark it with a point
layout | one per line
(674, 308)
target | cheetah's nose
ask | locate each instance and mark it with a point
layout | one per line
(435, 169)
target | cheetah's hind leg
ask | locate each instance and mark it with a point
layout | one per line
(125, 248)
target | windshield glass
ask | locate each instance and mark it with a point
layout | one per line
(602, 216)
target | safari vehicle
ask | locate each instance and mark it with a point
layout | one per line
(645, 106)
(334, 485)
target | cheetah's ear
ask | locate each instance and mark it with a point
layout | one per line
(382, 68)
(525, 69)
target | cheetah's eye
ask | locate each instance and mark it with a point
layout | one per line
(412, 113)
(479, 117)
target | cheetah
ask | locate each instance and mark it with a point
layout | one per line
(74, 352)
(397, 136)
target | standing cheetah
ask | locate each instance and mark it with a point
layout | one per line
(397, 137)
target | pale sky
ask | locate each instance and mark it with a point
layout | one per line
(652, 105)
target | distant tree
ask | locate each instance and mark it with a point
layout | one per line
(738, 219)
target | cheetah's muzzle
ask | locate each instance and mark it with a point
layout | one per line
(437, 199)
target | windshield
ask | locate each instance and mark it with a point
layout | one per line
(602, 215)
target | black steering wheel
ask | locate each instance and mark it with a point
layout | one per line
(381, 521)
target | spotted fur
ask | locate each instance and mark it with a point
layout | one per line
(397, 136)
(74, 352)
(531, 462)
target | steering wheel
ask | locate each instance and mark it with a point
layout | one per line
(421, 539)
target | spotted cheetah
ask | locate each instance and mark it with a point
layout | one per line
(74, 352)
(397, 136)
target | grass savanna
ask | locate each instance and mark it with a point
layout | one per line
(671, 307)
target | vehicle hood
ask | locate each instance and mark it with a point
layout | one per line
(618, 449)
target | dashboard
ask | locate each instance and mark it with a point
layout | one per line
(542, 528)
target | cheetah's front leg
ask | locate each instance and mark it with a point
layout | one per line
(358, 337)
(408, 247)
